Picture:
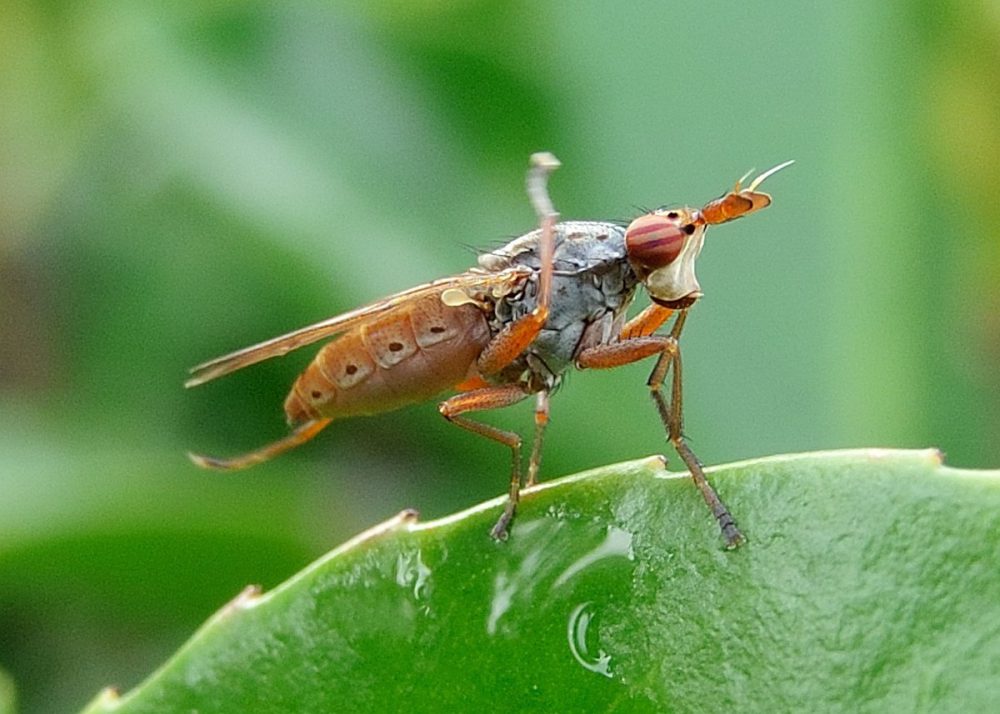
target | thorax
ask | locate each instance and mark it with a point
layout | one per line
(592, 287)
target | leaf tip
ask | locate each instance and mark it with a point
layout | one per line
(933, 456)
(656, 461)
(246, 598)
(107, 699)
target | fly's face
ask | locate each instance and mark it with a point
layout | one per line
(662, 246)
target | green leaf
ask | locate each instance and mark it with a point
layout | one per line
(869, 582)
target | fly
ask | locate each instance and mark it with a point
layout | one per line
(509, 328)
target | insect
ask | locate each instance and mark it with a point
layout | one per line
(509, 328)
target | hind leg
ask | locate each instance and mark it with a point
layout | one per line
(298, 437)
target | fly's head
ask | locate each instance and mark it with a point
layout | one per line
(662, 246)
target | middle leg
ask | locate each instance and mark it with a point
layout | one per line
(481, 400)
(541, 421)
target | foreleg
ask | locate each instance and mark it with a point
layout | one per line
(633, 349)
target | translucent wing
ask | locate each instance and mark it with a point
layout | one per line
(495, 283)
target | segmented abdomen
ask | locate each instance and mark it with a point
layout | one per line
(410, 354)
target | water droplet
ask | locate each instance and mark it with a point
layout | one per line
(503, 595)
(618, 543)
(411, 571)
(561, 512)
(584, 644)
(520, 583)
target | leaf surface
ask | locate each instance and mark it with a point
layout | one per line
(869, 582)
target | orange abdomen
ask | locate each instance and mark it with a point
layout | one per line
(412, 353)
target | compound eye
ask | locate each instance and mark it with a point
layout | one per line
(654, 240)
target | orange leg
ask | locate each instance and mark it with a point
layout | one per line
(510, 342)
(541, 421)
(634, 349)
(646, 322)
(300, 436)
(508, 345)
(480, 400)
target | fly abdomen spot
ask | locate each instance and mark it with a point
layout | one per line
(433, 334)
(389, 341)
(433, 322)
(345, 363)
(315, 389)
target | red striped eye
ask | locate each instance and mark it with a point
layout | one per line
(654, 240)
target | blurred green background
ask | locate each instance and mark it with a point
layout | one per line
(180, 180)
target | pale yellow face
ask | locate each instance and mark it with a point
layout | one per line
(662, 248)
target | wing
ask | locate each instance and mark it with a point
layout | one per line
(497, 284)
